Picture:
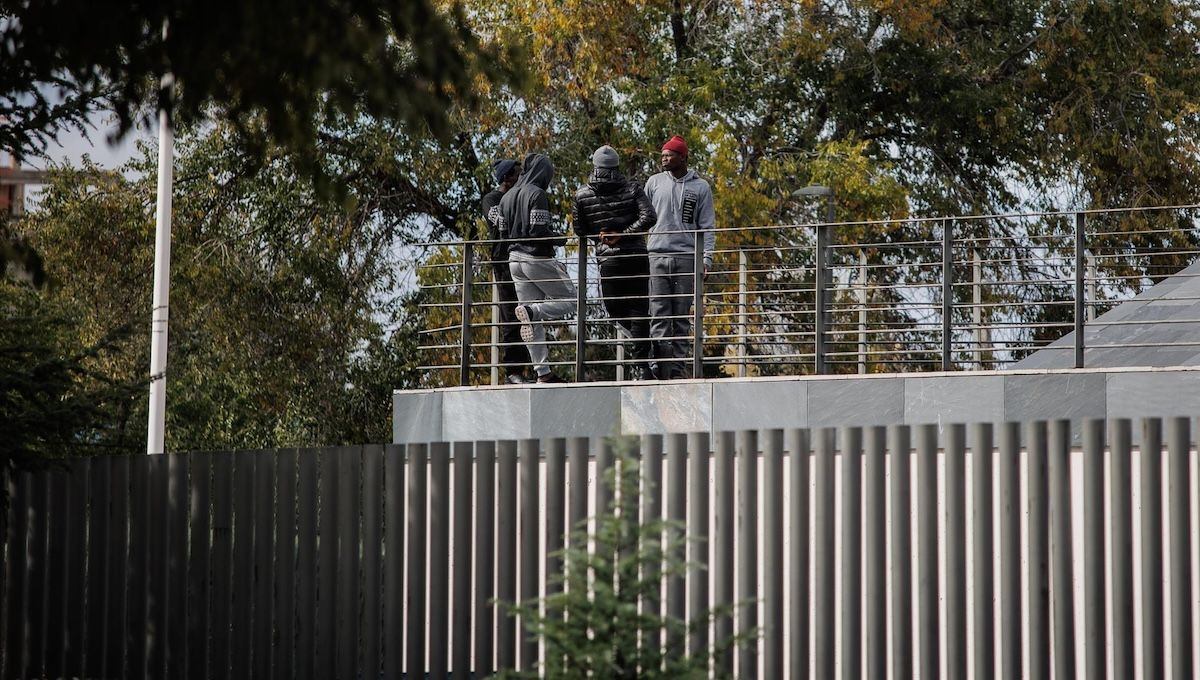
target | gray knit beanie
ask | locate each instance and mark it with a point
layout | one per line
(606, 157)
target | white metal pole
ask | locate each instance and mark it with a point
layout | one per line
(162, 282)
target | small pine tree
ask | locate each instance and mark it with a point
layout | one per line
(605, 620)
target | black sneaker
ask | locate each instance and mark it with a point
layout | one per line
(550, 378)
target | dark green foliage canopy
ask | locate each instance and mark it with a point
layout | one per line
(288, 63)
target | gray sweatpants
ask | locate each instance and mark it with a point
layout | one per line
(543, 288)
(672, 285)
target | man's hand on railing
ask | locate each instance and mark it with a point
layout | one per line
(610, 238)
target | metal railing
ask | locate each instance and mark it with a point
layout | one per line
(955, 293)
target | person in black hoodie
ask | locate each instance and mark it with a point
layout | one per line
(544, 290)
(616, 213)
(513, 355)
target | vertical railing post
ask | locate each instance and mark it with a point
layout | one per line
(862, 311)
(698, 307)
(819, 323)
(581, 309)
(1080, 293)
(947, 291)
(495, 377)
(977, 307)
(468, 268)
(743, 317)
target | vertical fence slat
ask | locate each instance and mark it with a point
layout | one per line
(556, 507)
(349, 592)
(263, 498)
(99, 532)
(875, 552)
(956, 551)
(1038, 581)
(394, 469)
(927, 572)
(900, 455)
(506, 555)
(1178, 521)
(243, 614)
(160, 615)
(371, 649)
(75, 614)
(178, 614)
(418, 486)
(1062, 582)
(747, 551)
(222, 564)
(530, 556)
(39, 581)
(59, 507)
(798, 447)
(851, 567)
(19, 591)
(8, 559)
(823, 553)
(772, 592)
(325, 664)
(723, 546)
(485, 556)
(651, 511)
(1094, 662)
(199, 563)
(603, 453)
(439, 557)
(698, 532)
(983, 606)
(138, 634)
(1010, 551)
(460, 642)
(286, 466)
(676, 506)
(118, 559)
(308, 464)
(1121, 512)
(1152, 553)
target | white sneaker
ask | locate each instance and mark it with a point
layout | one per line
(522, 313)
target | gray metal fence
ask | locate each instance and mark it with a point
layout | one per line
(873, 552)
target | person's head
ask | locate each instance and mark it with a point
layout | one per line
(505, 172)
(606, 157)
(538, 171)
(674, 156)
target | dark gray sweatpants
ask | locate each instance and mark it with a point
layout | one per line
(672, 286)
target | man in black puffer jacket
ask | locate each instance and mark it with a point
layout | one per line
(616, 214)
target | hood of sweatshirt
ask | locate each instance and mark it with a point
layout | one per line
(539, 172)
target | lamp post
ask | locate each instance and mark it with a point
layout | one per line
(822, 272)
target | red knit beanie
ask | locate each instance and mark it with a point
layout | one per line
(677, 145)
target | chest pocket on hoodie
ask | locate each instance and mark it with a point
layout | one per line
(687, 210)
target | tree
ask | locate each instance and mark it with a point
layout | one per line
(289, 67)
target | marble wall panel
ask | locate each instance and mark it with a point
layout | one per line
(416, 417)
(760, 404)
(575, 411)
(953, 399)
(486, 414)
(856, 401)
(666, 407)
(1150, 393)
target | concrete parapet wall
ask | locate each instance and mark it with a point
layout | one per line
(598, 409)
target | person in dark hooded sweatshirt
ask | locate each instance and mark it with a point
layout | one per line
(514, 355)
(616, 213)
(544, 290)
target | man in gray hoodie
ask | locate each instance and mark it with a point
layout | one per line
(544, 289)
(683, 204)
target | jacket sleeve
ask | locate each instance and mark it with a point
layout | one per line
(646, 215)
(578, 219)
(707, 220)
